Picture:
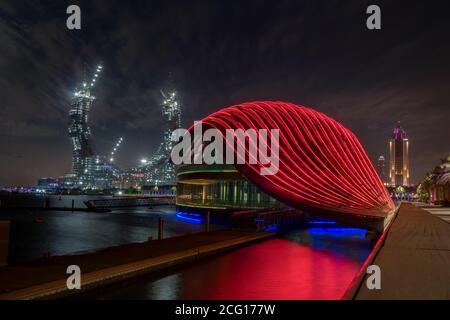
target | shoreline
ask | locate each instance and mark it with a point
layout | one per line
(118, 263)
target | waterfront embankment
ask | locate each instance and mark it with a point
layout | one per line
(47, 279)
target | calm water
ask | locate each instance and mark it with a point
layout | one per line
(65, 232)
(311, 263)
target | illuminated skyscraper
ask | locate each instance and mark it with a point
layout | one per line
(381, 168)
(399, 158)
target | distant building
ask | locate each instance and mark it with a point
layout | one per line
(49, 183)
(161, 190)
(56, 184)
(99, 173)
(436, 185)
(381, 169)
(399, 158)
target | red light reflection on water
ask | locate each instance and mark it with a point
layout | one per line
(274, 269)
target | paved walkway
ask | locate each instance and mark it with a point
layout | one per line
(414, 258)
(443, 213)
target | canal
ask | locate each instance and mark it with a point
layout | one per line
(311, 263)
(316, 262)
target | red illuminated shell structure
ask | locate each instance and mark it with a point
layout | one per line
(322, 165)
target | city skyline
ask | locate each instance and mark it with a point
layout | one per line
(368, 84)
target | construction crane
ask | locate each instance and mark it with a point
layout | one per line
(115, 149)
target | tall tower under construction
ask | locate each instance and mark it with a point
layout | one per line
(158, 170)
(79, 130)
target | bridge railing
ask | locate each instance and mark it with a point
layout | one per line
(129, 202)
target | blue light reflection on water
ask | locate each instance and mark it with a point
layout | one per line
(338, 232)
(323, 222)
(271, 229)
(194, 218)
(334, 239)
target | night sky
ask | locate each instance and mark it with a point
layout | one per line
(315, 53)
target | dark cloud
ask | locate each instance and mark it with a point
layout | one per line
(319, 54)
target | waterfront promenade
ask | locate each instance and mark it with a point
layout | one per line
(414, 258)
(47, 279)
